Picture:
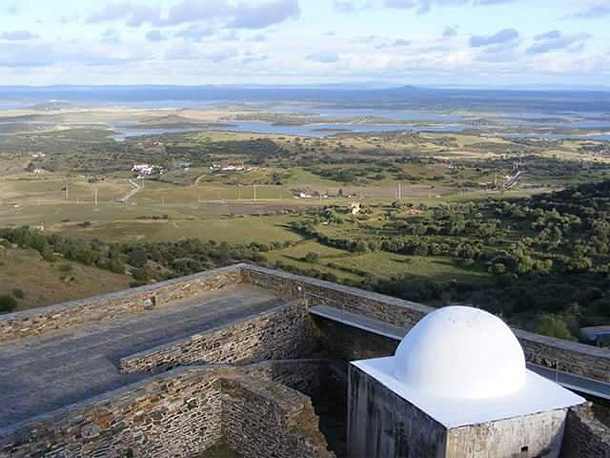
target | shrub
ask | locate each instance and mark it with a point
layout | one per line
(18, 293)
(312, 257)
(7, 303)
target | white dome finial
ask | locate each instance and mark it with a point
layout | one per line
(461, 352)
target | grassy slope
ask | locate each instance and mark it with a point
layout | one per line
(42, 283)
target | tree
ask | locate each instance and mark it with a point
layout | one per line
(553, 326)
(312, 257)
(7, 303)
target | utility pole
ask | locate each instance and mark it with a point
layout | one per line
(254, 192)
(67, 195)
(95, 196)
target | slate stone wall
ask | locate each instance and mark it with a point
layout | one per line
(281, 333)
(585, 360)
(39, 321)
(182, 413)
(585, 436)
(269, 420)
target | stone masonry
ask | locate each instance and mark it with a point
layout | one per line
(179, 413)
(284, 332)
(585, 360)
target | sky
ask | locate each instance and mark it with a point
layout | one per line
(298, 42)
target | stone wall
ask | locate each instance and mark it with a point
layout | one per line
(42, 320)
(281, 333)
(585, 360)
(182, 413)
(585, 436)
(177, 414)
(262, 419)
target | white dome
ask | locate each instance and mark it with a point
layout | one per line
(461, 352)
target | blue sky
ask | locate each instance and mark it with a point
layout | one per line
(421, 42)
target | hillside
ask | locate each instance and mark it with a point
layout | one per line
(45, 283)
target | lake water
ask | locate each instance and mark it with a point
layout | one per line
(309, 130)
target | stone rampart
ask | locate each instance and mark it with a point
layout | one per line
(182, 412)
(284, 332)
(42, 320)
(585, 436)
(262, 419)
(585, 360)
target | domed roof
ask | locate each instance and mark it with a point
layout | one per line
(461, 352)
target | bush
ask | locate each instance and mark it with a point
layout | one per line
(553, 326)
(7, 303)
(18, 293)
(312, 257)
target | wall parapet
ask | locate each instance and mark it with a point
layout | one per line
(585, 360)
(585, 436)
(283, 332)
(179, 413)
(42, 320)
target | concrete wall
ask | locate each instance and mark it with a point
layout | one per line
(529, 436)
(585, 436)
(384, 425)
(584, 360)
(39, 321)
(182, 413)
(281, 333)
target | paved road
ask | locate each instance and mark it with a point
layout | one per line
(573, 382)
(41, 374)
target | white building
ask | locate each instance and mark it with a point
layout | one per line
(457, 386)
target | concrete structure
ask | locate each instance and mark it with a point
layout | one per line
(227, 356)
(457, 386)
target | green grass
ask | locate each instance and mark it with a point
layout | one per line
(45, 283)
(381, 265)
(239, 230)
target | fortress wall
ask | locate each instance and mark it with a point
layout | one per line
(585, 436)
(262, 419)
(585, 360)
(281, 333)
(175, 414)
(182, 412)
(41, 320)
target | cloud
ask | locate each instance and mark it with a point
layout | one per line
(222, 55)
(261, 16)
(68, 19)
(556, 41)
(351, 6)
(395, 44)
(324, 57)
(155, 36)
(255, 58)
(195, 33)
(134, 14)
(450, 32)
(19, 35)
(502, 36)
(551, 35)
(111, 37)
(197, 10)
(259, 38)
(12, 9)
(240, 16)
(29, 54)
(591, 12)
(492, 2)
(424, 6)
